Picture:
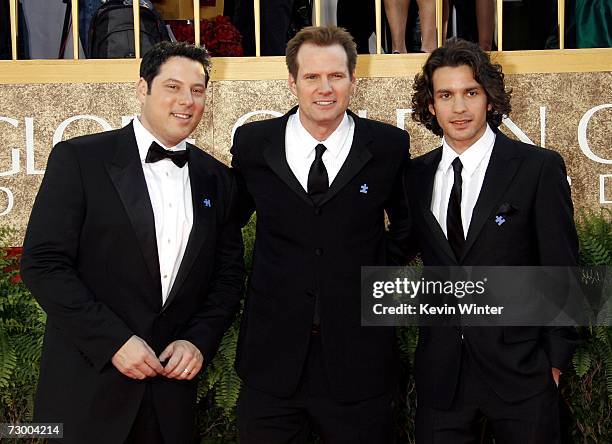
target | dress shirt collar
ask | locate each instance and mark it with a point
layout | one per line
(144, 138)
(333, 143)
(472, 156)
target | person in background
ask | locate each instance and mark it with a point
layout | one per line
(87, 9)
(358, 17)
(275, 16)
(593, 24)
(485, 21)
(397, 16)
(476, 21)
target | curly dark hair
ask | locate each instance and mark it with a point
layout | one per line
(159, 53)
(458, 52)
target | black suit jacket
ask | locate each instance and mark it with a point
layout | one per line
(90, 260)
(515, 361)
(305, 253)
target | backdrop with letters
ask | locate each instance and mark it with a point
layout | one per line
(568, 112)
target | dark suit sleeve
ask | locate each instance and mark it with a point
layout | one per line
(205, 329)
(49, 265)
(398, 210)
(557, 245)
(245, 206)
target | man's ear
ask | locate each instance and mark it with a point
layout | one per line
(292, 85)
(489, 107)
(141, 90)
(432, 110)
(353, 82)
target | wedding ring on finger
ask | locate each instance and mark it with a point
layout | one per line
(186, 371)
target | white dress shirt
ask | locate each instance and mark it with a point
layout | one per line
(170, 194)
(475, 161)
(300, 148)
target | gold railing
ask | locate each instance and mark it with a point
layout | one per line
(262, 68)
(317, 21)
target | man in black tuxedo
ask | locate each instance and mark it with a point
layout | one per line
(321, 180)
(507, 374)
(133, 253)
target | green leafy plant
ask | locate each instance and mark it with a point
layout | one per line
(595, 236)
(219, 388)
(405, 399)
(587, 388)
(21, 331)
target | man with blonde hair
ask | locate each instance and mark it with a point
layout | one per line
(321, 180)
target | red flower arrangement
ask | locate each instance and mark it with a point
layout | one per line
(13, 254)
(219, 35)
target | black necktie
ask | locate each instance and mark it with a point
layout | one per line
(454, 226)
(157, 153)
(318, 182)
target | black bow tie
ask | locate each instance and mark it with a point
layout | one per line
(157, 153)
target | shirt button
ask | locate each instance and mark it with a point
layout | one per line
(319, 251)
(170, 205)
(167, 174)
(169, 241)
(165, 276)
(317, 211)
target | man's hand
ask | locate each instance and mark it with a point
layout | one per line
(185, 360)
(556, 373)
(136, 360)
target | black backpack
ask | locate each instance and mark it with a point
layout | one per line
(111, 33)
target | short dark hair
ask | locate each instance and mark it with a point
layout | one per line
(321, 36)
(159, 53)
(457, 52)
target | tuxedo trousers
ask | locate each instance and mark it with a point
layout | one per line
(531, 421)
(267, 419)
(145, 428)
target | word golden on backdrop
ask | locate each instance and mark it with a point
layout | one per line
(27, 165)
(33, 118)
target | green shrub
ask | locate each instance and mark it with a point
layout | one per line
(21, 331)
(219, 387)
(587, 387)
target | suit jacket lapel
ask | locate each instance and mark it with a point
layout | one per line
(428, 175)
(359, 155)
(274, 153)
(203, 186)
(126, 173)
(502, 168)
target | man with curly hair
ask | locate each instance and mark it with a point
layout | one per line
(461, 192)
